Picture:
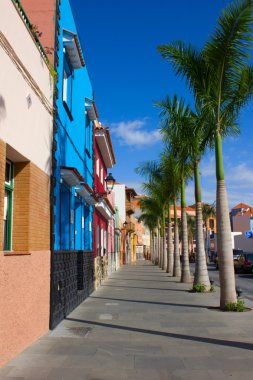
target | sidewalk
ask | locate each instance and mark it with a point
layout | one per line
(142, 324)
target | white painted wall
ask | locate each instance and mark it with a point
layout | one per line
(120, 200)
(26, 130)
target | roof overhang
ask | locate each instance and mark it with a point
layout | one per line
(73, 49)
(131, 191)
(103, 139)
(91, 109)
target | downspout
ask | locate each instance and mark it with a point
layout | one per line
(53, 163)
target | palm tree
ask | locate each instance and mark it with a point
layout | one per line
(163, 187)
(222, 81)
(176, 117)
(155, 190)
(150, 216)
(172, 184)
(150, 221)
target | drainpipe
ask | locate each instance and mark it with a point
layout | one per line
(53, 163)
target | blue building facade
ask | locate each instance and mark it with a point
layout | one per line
(74, 139)
(72, 180)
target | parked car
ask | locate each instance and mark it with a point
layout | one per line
(244, 262)
(236, 254)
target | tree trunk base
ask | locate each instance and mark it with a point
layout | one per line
(186, 278)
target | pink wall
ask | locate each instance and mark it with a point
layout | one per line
(241, 223)
(24, 301)
(111, 236)
(41, 14)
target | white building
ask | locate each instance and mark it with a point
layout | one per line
(26, 119)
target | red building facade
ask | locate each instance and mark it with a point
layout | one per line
(103, 216)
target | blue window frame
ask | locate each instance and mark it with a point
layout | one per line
(65, 232)
(78, 223)
(88, 137)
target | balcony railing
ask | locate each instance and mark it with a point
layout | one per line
(129, 207)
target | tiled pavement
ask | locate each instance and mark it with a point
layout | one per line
(142, 324)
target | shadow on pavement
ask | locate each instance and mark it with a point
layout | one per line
(139, 287)
(135, 279)
(151, 302)
(220, 342)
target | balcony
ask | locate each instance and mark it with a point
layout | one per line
(130, 227)
(129, 208)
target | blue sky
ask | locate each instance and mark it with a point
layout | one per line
(119, 40)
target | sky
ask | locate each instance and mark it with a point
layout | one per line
(119, 39)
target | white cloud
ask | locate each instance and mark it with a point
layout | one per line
(133, 133)
(239, 184)
(240, 176)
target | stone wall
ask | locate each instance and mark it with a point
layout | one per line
(100, 270)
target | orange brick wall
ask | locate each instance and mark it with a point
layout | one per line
(25, 278)
(31, 208)
(20, 234)
(2, 176)
(39, 226)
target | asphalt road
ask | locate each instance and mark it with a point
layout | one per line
(243, 281)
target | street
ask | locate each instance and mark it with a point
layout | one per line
(142, 324)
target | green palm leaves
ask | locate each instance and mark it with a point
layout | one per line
(221, 79)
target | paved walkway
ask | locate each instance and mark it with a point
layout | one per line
(142, 324)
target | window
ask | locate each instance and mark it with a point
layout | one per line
(67, 86)
(88, 137)
(211, 224)
(102, 175)
(78, 223)
(97, 166)
(8, 196)
(65, 217)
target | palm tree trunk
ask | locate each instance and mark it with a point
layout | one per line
(158, 247)
(201, 273)
(161, 249)
(154, 247)
(207, 244)
(164, 255)
(177, 265)
(170, 260)
(224, 240)
(164, 250)
(151, 245)
(186, 275)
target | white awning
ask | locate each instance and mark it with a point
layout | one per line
(90, 109)
(102, 140)
(104, 209)
(86, 194)
(70, 176)
(73, 49)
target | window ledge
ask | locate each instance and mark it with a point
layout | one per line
(11, 253)
(65, 105)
